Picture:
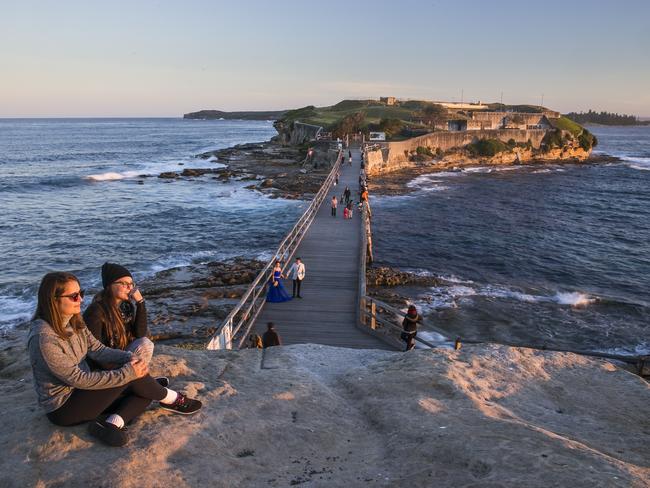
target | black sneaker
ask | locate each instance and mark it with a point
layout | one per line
(163, 381)
(183, 405)
(109, 434)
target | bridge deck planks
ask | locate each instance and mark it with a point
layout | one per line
(330, 251)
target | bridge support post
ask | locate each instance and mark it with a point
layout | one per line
(373, 315)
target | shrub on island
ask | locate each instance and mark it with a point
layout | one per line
(587, 140)
(486, 147)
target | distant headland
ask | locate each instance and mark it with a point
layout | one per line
(605, 118)
(218, 114)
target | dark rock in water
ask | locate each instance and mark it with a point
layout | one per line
(385, 276)
(140, 182)
(267, 183)
(192, 172)
(181, 164)
(168, 175)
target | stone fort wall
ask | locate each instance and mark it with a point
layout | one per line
(395, 155)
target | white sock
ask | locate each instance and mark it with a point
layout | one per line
(116, 420)
(170, 398)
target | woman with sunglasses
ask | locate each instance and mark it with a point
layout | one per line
(115, 320)
(70, 392)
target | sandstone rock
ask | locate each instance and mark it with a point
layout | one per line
(479, 417)
(168, 175)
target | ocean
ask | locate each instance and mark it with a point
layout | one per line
(71, 200)
(555, 255)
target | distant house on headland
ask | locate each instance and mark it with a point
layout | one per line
(388, 100)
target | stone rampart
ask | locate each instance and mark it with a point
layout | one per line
(395, 155)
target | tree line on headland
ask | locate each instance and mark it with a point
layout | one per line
(605, 118)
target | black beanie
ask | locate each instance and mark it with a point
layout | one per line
(112, 272)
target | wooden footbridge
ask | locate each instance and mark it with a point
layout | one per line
(334, 253)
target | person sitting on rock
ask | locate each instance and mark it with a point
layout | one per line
(271, 337)
(70, 392)
(255, 342)
(114, 319)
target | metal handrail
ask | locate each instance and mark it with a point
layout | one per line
(230, 327)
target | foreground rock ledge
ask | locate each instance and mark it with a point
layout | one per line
(310, 415)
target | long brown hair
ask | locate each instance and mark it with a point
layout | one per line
(47, 309)
(114, 327)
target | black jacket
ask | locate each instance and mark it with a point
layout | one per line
(135, 321)
(410, 323)
(271, 338)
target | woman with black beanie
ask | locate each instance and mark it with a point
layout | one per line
(117, 316)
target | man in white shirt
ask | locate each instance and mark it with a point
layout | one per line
(297, 274)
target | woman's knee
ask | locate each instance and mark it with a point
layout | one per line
(142, 347)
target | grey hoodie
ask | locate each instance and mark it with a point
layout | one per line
(59, 365)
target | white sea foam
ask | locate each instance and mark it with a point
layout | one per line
(154, 169)
(637, 162)
(454, 279)
(642, 349)
(441, 297)
(575, 299)
(427, 183)
(112, 176)
(14, 310)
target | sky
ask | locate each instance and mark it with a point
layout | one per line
(160, 58)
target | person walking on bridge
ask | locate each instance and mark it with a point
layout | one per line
(410, 326)
(297, 274)
(334, 205)
(347, 194)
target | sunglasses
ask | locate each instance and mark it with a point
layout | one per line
(75, 297)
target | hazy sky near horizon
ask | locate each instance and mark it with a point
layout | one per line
(165, 58)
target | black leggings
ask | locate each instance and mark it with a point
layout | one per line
(127, 401)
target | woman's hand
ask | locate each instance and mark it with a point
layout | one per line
(140, 367)
(136, 295)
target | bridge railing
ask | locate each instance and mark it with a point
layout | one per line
(236, 326)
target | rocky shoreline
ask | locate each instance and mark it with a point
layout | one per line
(395, 182)
(275, 170)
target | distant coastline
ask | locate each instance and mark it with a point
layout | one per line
(219, 114)
(606, 118)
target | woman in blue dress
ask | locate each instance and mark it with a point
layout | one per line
(276, 292)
